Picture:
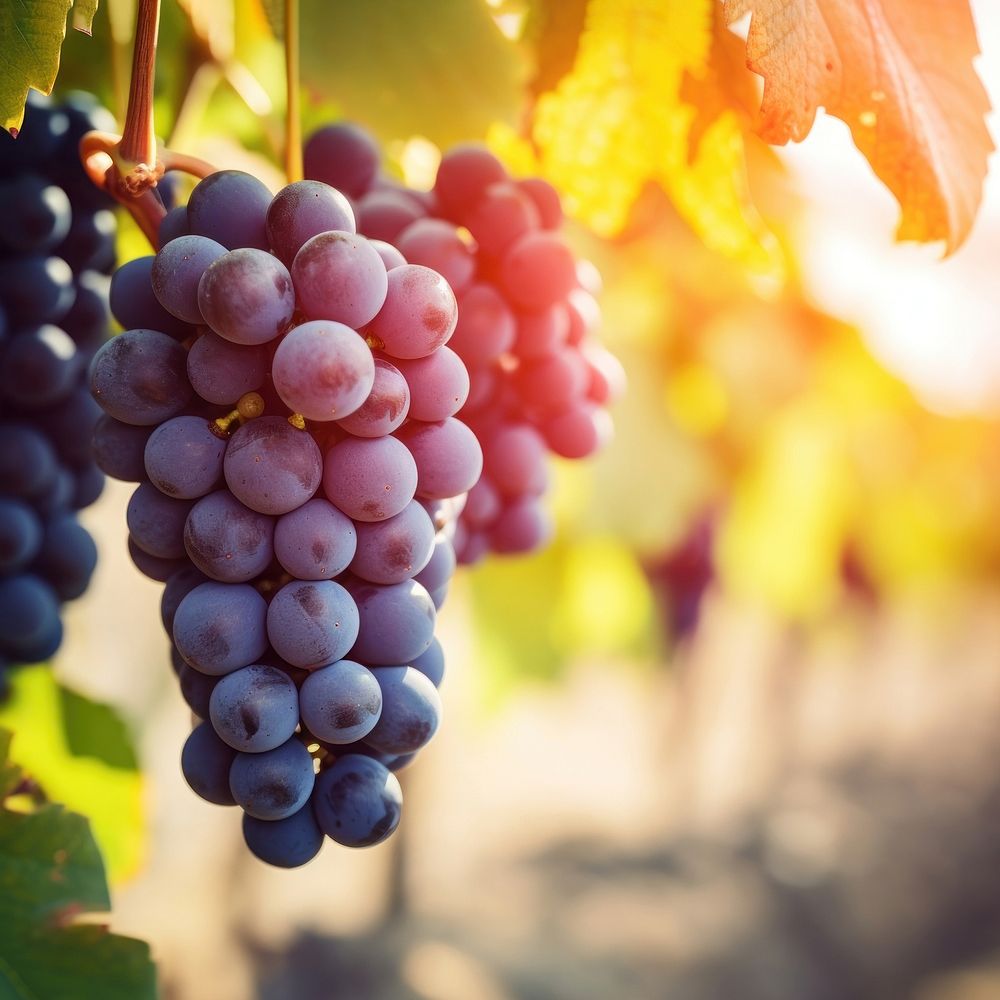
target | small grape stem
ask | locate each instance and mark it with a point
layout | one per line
(293, 124)
(297, 421)
(127, 166)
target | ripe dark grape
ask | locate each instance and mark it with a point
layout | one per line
(284, 843)
(340, 703)
(57, 240)
(255, 709)
(358, 801)
(273, 784)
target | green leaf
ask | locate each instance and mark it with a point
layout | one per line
(81, 754)
(441, 70)
(83, 15)
(31, 37)
(50, 873)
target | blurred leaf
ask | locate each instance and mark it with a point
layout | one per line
(83, 15)
(900, 74)
(30, 39)
(90, 769)
(619, 121)
(213, 24)
(553, 30)
(274, 11)
(51, 873)
(441, 70)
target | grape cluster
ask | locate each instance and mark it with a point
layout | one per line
(284, 397)
(57, 248)
(527, 321)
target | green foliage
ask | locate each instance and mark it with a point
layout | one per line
(82, 754)
(50, 873)
(31, 36)
(441, 70)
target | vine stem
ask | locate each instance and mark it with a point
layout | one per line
(138, 143)
(293, 125)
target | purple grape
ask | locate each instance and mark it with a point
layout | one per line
(67, 558)
(284, 843)
(578, 431)
(537, 270)
(369, 479)
(36, 289)
(440, 567)
(438, 245)
(221, 371)
(431, 663)
(312, 622)
(271, 466)
(315, 542)
(339, 276)
(38, 367)
(411, 711)
(134, 304)
(183, 457)
(30, 629)
(220, 627)
(173, 224)
(418, 316)
(486, 326)
(178, 586)
(230, 206)
(546, 200)
(464, 174)
(553, 382)
(391, 257)
(140, 377)
(383, 215)
(176, 272)
(514, 460)
(323, 370)
(396, 622)
(482, 504)
(255, 709)
(395, 549)
(28, 463)
(205, 764)
(196, 689)
(20, 536)
(156, 569)
(304, 210)
(522, 526)
(274, 784)
(156, 522)
(358, 801)
(447, 454)
(503, 214)
(340, 703)
(120, 449)
(540, 333)
(385, 407)
(438, 383)
(227, 541)
(343, 156)
(246, 296)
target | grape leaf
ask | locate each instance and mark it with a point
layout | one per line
(553, 29)
(618, 122)
(274, 11)
(441, 70)
(31, 37)
(82, 754)
(900, 74)
(51, 872)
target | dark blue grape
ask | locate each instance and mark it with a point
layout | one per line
(178, 586)
(30, 629)
(227, 541)
(135, 306)
(220, 627)
(431, 663)
(27, 461)
(411, 711)
(358, 801)
(183, 457)
(284, 843)
(36, 289)
(396, 622)
(39, 367)
(273, 784)
(119, 449)
(156, 522)
(340, 703)
(67, 558)
(312, 622)
(20, 536)
(255, 708)
(205, 763)
(230, 206)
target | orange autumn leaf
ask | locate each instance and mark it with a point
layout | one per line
(900, 74)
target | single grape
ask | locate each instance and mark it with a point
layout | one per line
(397, 622)
(140, 377)
(411, 711)
(418, 316)
(230, 206)
(69, 425)
(358, 801)
(227, 541)
(156, 569)
(486, 326)
(503, 214)
(285, 843)
(385, 407)
(312, 622)
(221, 371)
(483, 503)
(220, 627)
(88, 484)
(255, 709)
(383, 215)
(540, 333)
(120, 449)
(36, 289)
(246, 296)
(431, 663)
(464, 174)
(323, 370)
(390, 255)
(438, 245)
(343, 156)
(370, 479)
(28, 462)
(440, 567)
(177, 271)
(447, 454)
(538, 270)
(178, 586)
(196, 689)
(173, 224)
(183, 457)
(67, 558)
(271, 466)
(273, 784)
(30, 629)
(205, 764)
(134, 304)
(515, 460)
(304, 210)
(395, 549)
(606, 375)
(546, 200)
(522, 526)
(339, 276)
(438, 384)
(554, 381)
(340, 703)
(315, 542)
(20, 535)
(156, 522)
(34, 214)
(579, 431)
